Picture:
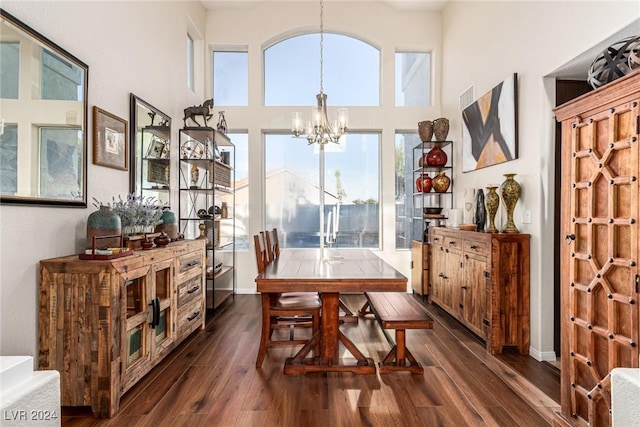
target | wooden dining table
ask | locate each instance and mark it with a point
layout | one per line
(329, 273)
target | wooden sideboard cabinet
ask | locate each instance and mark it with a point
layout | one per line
(482, 280)
(420, 268)
(105, 324)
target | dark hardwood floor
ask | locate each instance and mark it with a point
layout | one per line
(211, 380)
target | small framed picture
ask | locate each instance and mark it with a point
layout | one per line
(110, 140)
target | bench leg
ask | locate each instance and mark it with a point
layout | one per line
(397, 358)
(365, 309)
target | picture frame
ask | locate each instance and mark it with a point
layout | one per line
(110, 140)
(490, 127)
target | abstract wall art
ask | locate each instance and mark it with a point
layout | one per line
(490, 127)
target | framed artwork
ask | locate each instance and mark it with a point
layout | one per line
(490, 127)
(110, 140)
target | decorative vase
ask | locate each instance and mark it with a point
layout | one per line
(480, 215)
(493, 202)
(424, 183)
(224, 210)
(441, 182)
(169, 224)
(441, 128)
(436, 157)
(146, 244)
(510, 190)
(103, 222)
(425, 130)
(162, 240)
(469, 195)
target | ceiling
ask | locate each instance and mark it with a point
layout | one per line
(422, 5)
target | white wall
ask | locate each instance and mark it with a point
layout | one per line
(261, 25)
(137, 47)
(484, 42)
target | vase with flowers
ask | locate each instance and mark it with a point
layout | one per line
(138, 214)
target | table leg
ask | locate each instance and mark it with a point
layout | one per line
(329, 324)
(329, 338)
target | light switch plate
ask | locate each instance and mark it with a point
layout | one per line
(526, 217)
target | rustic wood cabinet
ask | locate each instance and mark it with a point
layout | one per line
(600, 319)
(420, 268)
(482, 280)
(105, 324)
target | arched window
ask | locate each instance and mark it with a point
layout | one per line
(351, 71)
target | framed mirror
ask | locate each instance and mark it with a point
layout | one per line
(149, 151)
(43, 119)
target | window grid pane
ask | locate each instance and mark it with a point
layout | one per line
(352, 188)
(230, 78)
(413, 78)
(190, 64)
(351, 71)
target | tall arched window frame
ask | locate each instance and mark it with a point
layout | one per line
(351, 77)
(351, 71)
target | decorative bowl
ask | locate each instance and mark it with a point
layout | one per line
(432, 210)
(468, 227)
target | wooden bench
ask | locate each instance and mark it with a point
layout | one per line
(399, 311)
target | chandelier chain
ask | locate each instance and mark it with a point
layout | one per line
(321, 44)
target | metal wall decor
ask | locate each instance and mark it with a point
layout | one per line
(613, 62)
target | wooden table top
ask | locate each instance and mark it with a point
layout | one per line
(341, 270)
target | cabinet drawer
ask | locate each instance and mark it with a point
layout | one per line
(189, 290)
(189, 263)
(472, 246)
(447, 241)
(190, 317)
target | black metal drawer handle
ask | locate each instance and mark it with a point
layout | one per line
(193, 316)
(474, 247)
(192, 290)
(193, 263)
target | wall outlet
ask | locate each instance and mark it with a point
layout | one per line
(526, 217)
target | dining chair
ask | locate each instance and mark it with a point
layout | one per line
(273, 247)
(283, 310)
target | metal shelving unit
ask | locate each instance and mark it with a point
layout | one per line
(206, 183)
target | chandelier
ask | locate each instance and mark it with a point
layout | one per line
(319, 129)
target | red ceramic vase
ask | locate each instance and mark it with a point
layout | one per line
(436, 157)
(424, 183)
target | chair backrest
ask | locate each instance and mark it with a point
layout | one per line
(262, 253)
(273, 246)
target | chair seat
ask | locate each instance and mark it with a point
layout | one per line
(300, 301)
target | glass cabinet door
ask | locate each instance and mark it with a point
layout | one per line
(162, 324)
(136, 316)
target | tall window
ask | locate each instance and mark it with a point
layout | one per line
(351, 71)
(413, 79)
(404, 187)
(351, 191)
(230, 78)
(190, 63)
(241, 174)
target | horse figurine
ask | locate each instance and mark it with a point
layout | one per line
(203, 110)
